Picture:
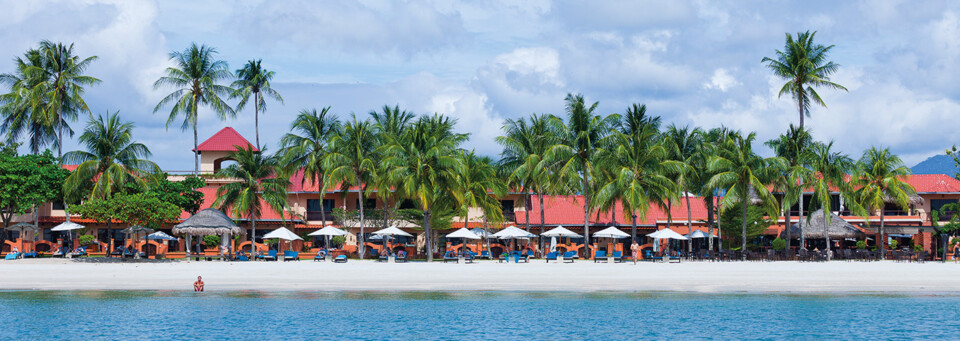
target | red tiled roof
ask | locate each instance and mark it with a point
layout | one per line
(224, 140)
(568, 210)
(210, 196)
(934, 183)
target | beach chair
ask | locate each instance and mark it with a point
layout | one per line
(599, 255)
(525, 256)
(675, 257)
(271, 255)
(485, 254)
(504, 257)
(516, 256)
(401, 257)
(340, 259)
(79, 252)
(11, 256)
(291, 255)
(648, 255)
(449, 257)
(320, 257)
(31, 254)
(569, 256)
(550, 256)
(242, 258)
(468, 257)
(383, 258)
(617, 257)
(59, 253)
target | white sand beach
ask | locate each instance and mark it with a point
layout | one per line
(702, 277)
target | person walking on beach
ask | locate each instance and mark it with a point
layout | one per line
(198, 285)
(956, 252)
(635, 251)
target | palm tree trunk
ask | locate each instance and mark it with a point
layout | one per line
(826, 231)
(586, 216)
(256, 118)
(362, 249)
(709, 203)
(196, 144)
(743, 242)
(253, 235)
(66, 209)
(800, 104)
(321, 193)
(787, 215)
(543, 222)
(110, 236)
(881, 240)
(633, 229)
(719, 228)
(803, 239)
(428, 241)
(526, 210)
(689, 223)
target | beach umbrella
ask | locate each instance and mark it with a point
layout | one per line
(68, 226)
(512, 232)
(282, 233)
(328, 231)
(392, 231)
(561, 231)
(136, 230)
(610, 232)
(22, 227)
(553, 244)
(463, 233)
(665, 234)
(159, 235)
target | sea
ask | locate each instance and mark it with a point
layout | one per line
(252, 315)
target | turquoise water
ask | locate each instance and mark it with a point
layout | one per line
(142, 315)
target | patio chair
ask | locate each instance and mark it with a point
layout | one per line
(449, 257)
(550, 256)
(599, 255)
(271, 255)
(340, 259)
(59, 253)
(401, 257)
(31, 254)
(569, 256)
(320, 257)
(617, 257)
(468, 257)
(525, 256)
(291, 255)
(383, 258)
(503, 257)
(485, 254)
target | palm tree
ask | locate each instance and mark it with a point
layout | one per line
(425, 166)
(352, 161)
(639, 165)
(257, 184)
(711, 142)
(478, 186)
(682, 147)
(65, 82)
(830, 169)
(743, 173)
(22, 107)
(389, 125)
(196, 77)
(794, 147)
(579, 142)
(308, 144)
(110, 160)
(804, 65)
(879, 179)
(254, 80)
(524, 147)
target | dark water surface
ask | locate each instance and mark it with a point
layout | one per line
(140, 315)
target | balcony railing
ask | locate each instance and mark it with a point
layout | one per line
(317, 215)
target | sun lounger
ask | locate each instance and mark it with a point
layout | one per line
(320, 257)
(79, 252)
(243, 258)
(525, 257)
(271, 255)
(401, 257)
(485, 254)
(11, 256)
(59, 253)
(569, 256)
(291, 255)
(551, 256)
(599, 255)
(31, 254)
(340, 259)
(448, 257)
(383, 258)
(617, 257)
(468, 257)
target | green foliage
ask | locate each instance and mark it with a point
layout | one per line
(954, 240)
(894, 244)
(731, 222)
(87, 239)
(28, 180)
(338, 241)
(211, 241)
(144, 209)
(779, 244)
(183, 194)
(918, 248)
(862, 244)
(441, 219)
(955, 154)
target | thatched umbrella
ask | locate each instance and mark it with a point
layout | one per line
(208, 222)
(813, 229)
(22, 227)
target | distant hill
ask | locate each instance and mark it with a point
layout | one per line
(937, 164)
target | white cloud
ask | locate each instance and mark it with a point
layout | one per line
(721, 80)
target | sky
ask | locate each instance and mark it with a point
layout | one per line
(694, 63)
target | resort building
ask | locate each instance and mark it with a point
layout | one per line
(308, 211)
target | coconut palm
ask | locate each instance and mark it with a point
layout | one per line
(195, 77)
(110, 160)
(524, 146)
(804, 65)
(257, 184)
(794, 148)
(478, 186)
(743, 173)
(424, 165)
(682, 147)
(711, 142)
(389, 126)
(308, 144)
(22, 108)
(879, 179)
(65, 83)
(830, 170)
(352, 161)
(254, 80)
(579, 142)
(640, 166)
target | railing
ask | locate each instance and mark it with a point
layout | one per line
(318, 215)
(895, 212)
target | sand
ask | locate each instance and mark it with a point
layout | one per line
(700, 277)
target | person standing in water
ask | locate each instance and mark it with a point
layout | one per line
(198, 285)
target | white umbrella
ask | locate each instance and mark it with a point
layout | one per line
(553, 244)
(463, 233)
(159, 235)
(666, 234)
(282, 233)
(610, 232)
(392, 231)
(512, 232)
(699, 234)
(328, 231)
(561, 231)
(68, 226)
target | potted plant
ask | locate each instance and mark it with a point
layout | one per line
(894, 244)
(861, 245)
(779, 244)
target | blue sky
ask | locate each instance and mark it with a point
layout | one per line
(694, 63)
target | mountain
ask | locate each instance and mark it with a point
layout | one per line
(937, 164)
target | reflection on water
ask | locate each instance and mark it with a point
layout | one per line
(458, 315)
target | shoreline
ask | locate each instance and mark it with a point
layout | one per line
(788, 278)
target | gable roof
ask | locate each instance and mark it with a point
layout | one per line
(224, 140)
(933, 183)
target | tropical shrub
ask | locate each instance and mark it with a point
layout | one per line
(338, 241)
(861, 244)
(87, 239)
(894, 244)
(918, 248)
(779, 244)
(211, 241)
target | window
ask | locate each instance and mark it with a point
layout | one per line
(369, 204)
(313, 205)
(58, 205)
(407, 204)
(506, 206)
